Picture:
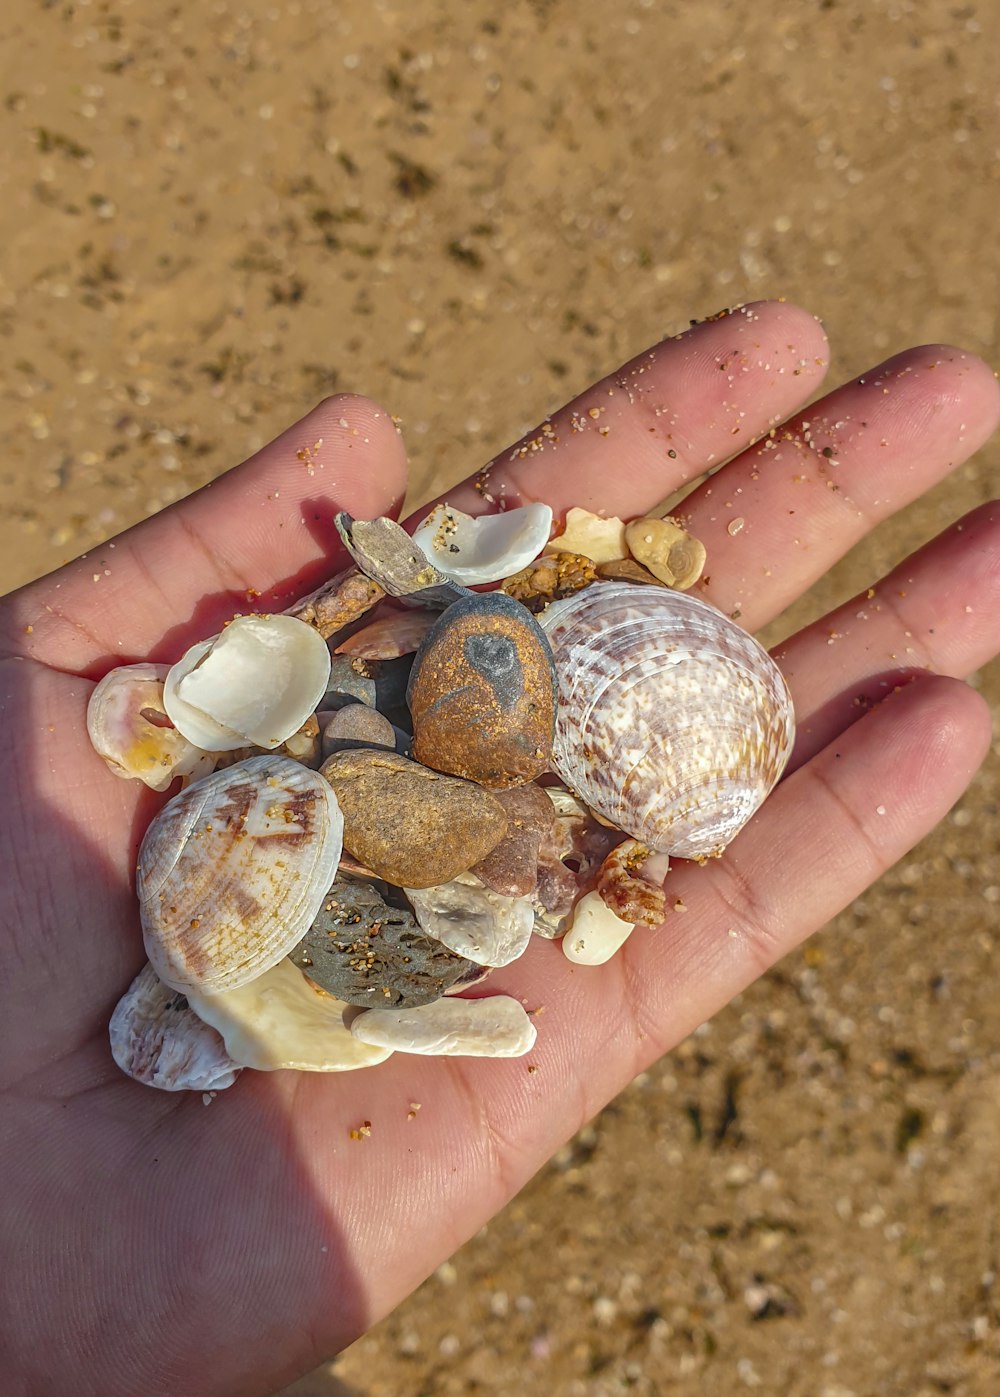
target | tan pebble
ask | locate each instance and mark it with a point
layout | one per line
(667, 550)
(411, 826)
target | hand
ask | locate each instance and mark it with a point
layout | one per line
(152, 1245)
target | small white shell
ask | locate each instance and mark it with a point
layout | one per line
(282, 1020)
(496, 1026)
(129, 728)
(233, 871)
(672, 723)
(256, 683)
(486, 547)
(159, 1041)
(596, 933)
(474, 921)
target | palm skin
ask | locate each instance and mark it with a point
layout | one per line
(154, 1245)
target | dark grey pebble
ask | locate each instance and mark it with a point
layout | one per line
(371, 954)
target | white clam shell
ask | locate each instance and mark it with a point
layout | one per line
(672, 723)
(486, 547)
(122, 720)
(474, 921)
(159, 1041)
(282, 1020)
(233, 871)
(496, 1026)
(255, 683)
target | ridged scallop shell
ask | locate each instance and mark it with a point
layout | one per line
(672, 722)
(233, 871)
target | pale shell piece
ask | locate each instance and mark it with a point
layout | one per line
(257, 682)
(281, 1020)
(474, 549)
(159, 1041)
(667, 550)
(388, 638)
(672, 723)
(385, 552)
(119, 721)
(595, 934)
(496, 1026)
(602, 540)
(233, 871)
(474, 921)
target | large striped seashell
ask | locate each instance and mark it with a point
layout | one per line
(233, 870)
(672, 722)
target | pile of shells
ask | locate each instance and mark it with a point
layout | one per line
(389, 790)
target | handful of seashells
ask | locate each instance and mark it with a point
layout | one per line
(377, 810)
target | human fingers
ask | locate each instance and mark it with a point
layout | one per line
(664, 418)
(782, 513)
(939, 610)
(259, 536)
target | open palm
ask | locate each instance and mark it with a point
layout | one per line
(151, 1244)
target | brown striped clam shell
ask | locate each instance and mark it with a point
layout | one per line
(233, 871)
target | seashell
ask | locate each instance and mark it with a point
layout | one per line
(473, 921)
(672, 723)
(602, 540)
(384, 551)
(233, 871)
(257, 682)
(625, 884)
(281, 1020)
(129, 728)
(386, 639)
(483, 548)
(595, 933)
(159, 1041)
(496, 1026)
(667, 550)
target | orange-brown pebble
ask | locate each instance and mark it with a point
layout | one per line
(512, 867)
(482, 693)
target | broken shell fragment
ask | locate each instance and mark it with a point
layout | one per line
(233, 871)
(667, 550)
(389, 637)
(383, 550)
(281, 1020)
(595, 933)
(159, 1041)
(483, 548)
(602, 540)
(257, 682)
(625, 885)
(474, 921)
(496, 1026)
(129, 728)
